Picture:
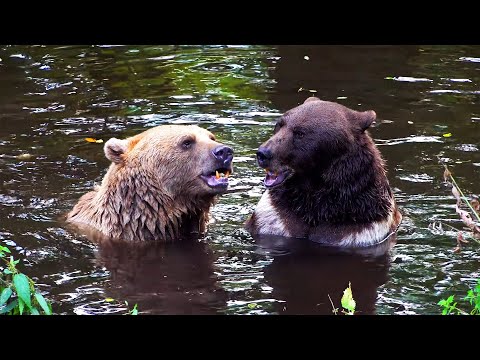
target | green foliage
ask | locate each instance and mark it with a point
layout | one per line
(473, 297)
(449, 307)
(134, 311)
(18, 295)
(347, 301)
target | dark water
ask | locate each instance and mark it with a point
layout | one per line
(51, 98)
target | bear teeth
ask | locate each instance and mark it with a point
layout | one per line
(219, 174)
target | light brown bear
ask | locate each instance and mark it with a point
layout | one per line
(326, 180)
(160, 185)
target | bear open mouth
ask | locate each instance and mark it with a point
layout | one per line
(275, 178)
(217, 178)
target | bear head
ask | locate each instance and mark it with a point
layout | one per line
(184, 160)
(309, 137)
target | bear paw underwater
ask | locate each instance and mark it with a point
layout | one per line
(160, 185)
(325, 179)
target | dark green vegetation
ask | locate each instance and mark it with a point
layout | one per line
(347, 301)
(449, 305)
(53, 97)
(18, 295)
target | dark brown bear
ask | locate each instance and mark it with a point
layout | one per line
(326, 179)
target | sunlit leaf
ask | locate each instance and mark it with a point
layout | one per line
(447, 135)
(6, 293)
(22, 288)
(3, 248)
(347, 299)
(252, 306)
(93, 140)
(134, 310)
(109, 300)
(389, 78)
(7, 272)
(43, 303)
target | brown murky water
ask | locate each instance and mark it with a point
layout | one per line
(51, 98)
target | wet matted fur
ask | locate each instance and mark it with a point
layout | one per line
(326, 179)
(160, 185)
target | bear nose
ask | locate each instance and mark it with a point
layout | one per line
(264, 156)
(223, 153)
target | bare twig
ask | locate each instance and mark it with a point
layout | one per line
(464, 215)
(335, 311)
(447, 174)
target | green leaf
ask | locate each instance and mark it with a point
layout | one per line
(43, 303)
(13, 262)
(109, 300)
(447, 135)
(347, 299)
(6, 293)
(22, 287)
(7, 272)
(4, 249)
(388, 78)
(9, 307)
(134, 310)
(21, 306)
(470, 297)
(252, 306)
(34, 311)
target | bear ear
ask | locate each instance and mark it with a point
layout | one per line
(366, 119)
(114, 149)
(311, 98)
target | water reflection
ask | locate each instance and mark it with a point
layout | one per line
(173, 278)
(304, 274)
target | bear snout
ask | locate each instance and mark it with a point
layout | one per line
(264, 156)
(223, 154)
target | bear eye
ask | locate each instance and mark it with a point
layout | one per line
(279, 125)
(187, 143)
(298, 133)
